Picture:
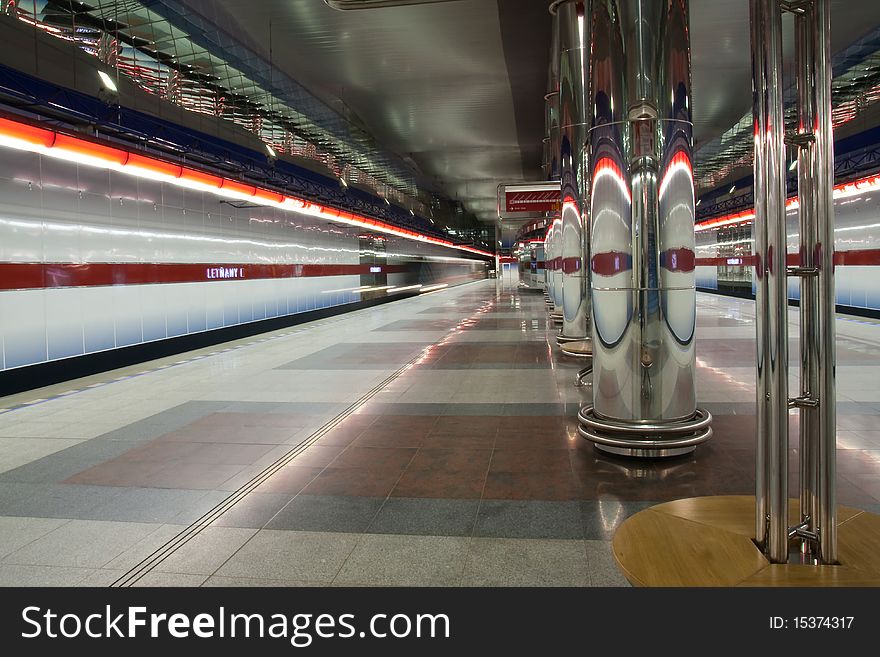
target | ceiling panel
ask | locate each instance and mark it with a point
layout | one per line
(430, 81)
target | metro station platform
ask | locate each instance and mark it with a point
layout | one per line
(430, 441)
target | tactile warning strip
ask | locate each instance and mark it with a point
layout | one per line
(148, 564)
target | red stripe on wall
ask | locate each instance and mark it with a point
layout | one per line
(856, 257)
(27, 275)
(734, 261)
(859, 257)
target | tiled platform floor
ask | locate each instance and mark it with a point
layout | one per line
(436, 445)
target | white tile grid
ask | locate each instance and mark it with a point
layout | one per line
(257, 558)
(30, 431)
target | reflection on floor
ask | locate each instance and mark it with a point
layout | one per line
(435, 445)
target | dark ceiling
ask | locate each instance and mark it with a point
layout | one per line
(457, 87)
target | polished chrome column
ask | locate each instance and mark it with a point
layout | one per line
(642, 232)
(555, 136)
(808, 213)
(573, 29)
(548, 264)
(551, 100)
(554, 276)
(824, 168)
(558, 281)
(771, 284)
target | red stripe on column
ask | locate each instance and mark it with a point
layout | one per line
(611, 263)
(678, 260)
(571, 265)
(26, 275)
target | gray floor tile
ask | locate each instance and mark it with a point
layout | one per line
(216, 580)
(50, 469)
(12, 491)
(200, 507)
(81, 544)
(145, 547)
(19, 575)
(206, 551)
(494, 408)
(425, 517)
(18, 532)
(254, 510)
(147, 505)
(101, 578)
(472, 409)
(165, 580)
(525, 562)
(392, 560)
(141, 431)
(251, 407)
(62, 501)
(302, 556)
(308, 408)
(529, 519)
(191, 411)
(603, 569)
(327, 513)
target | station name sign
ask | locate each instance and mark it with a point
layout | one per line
(529, 199)
(212, 273)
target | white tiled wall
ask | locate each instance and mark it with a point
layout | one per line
(857, 227)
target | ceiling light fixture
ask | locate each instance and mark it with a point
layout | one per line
(107, 81)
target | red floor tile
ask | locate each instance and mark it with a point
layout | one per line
(530, 460)
(531, 486)
(451, 459)
(353, 482)
(440, 484)
(317, 455)
(374, 458)
(289, 479)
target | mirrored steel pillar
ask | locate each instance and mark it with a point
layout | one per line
(556, 245)
(771, 292)
(815, 533)
(826, 447)
(552, 244)
(642, 232)
(551, 106)
(569, 15)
